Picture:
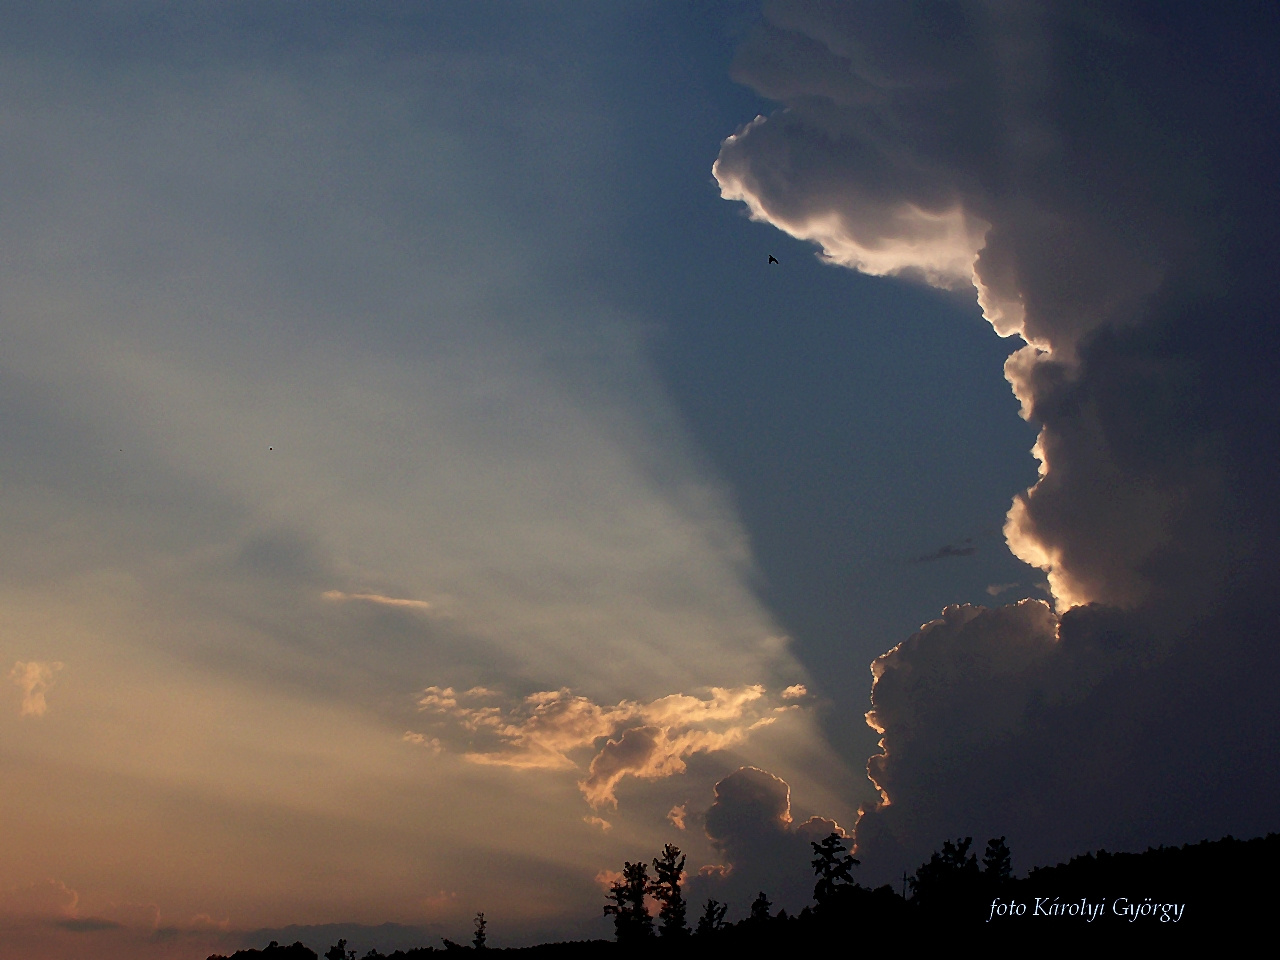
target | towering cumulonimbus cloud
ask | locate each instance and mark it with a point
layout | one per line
(1103, 175)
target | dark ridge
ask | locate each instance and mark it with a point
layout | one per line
(1095, 898)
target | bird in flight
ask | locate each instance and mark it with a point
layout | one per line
(772, 258)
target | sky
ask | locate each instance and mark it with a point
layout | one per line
(419, 494)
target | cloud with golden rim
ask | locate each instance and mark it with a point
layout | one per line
(554, 729)
(1145, 295)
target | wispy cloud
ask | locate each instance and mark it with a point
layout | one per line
(964, 548)
(34, 678)
(377, 598)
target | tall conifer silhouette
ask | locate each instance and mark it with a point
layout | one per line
(665, 888)
(712, 918)
(631, 920)
(833, 865)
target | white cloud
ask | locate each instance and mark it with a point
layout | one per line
(859, 230)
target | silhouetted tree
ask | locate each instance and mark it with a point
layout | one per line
(339, 952)
(760, 908)
(997, 862)
(665, 888)
(631, 920)
(833, 866)
(478, 941)
(948, 882)
(712, 918)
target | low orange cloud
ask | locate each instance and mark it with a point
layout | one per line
(43, 900)
(441, 901)
(52, 903)
(34, 678)
(645, 740)
(607, 878)
(203, 922)
(137, 916)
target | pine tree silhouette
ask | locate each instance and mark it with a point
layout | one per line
(631, 920)
(760, 908)
(997, 862)
(712, 918)
(833, 865)
(946, 885)
(665, 888)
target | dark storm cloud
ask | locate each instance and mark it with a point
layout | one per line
(1103, 175)
(750, 823)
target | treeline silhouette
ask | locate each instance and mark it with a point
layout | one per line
(1212, 885)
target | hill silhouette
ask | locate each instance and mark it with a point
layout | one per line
(1098, 897)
